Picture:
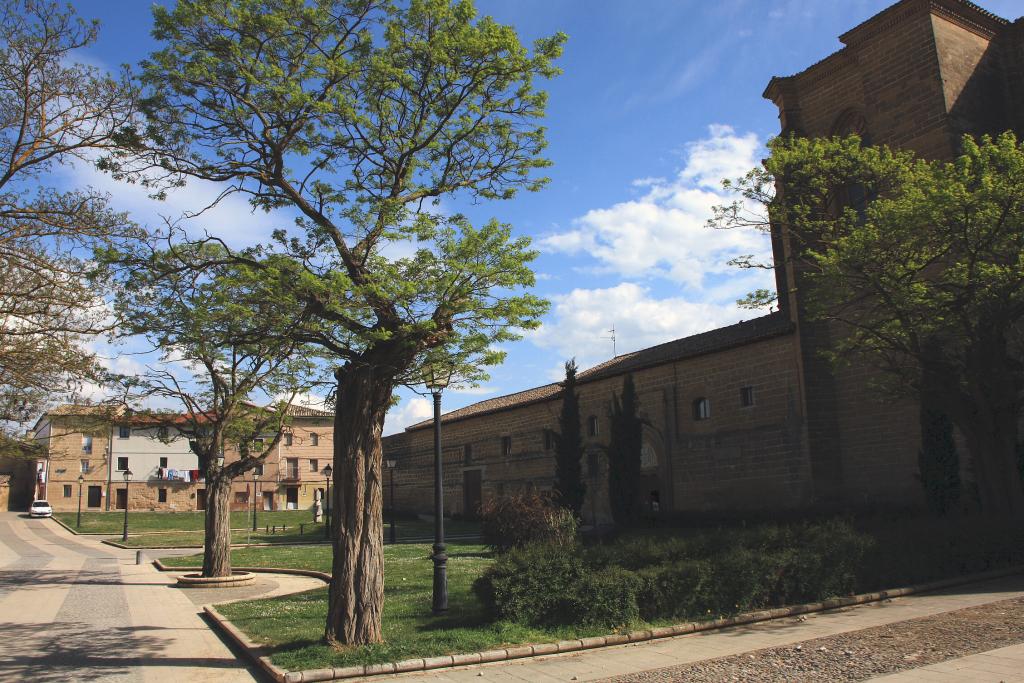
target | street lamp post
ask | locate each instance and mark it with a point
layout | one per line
(328, 471)
(81, 479)
(436, 382)
(255, 496)
(391, 464)
(127, 478)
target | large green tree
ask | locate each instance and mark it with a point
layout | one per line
(353, 118)
(226, 364)
(569, 486)
(918, 266)
(54, 111)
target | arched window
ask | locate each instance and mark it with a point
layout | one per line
(702, 408)
(592, 426)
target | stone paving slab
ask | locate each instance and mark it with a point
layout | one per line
(1003, 665)
(74, 609)
(626, 659)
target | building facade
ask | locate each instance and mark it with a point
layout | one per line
(100, 444)
(752, 416)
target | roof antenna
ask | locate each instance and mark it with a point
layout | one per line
(615, 353)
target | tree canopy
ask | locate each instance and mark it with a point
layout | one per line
(54, 112)
(227, 364)
(919, 265)
(351, 119)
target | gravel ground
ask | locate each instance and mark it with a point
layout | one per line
(859, 655)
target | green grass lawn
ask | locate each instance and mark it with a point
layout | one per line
(404, 532)
(147, 528)
(141, 522)
(292, 626)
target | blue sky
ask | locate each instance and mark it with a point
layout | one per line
(658, 101)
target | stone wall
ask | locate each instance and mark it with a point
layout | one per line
(917, 75)
(748, 457)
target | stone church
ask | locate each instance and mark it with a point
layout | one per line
(750, 416)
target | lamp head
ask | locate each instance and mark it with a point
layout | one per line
(436, 377)
(328, 471)
(390, 463)
(81, 478)
(127, 476)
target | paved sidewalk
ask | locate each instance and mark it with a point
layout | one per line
(72, 608)
(1005, 664)
(628, 659)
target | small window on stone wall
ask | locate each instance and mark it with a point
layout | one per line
(746, 396)
(161, 495)
(701, 409)
(67, 490)
(593, 464)
(592, 426)
(467, 454)
(506, 446)
(314, 439)
(549, 439)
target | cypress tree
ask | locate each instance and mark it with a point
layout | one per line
(624, 453)
(569, 486)
(938, 462)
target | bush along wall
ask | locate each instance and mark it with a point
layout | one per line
(723, 572)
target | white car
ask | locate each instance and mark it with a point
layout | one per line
(40, 508)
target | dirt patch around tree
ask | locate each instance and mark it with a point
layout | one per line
(863, 654)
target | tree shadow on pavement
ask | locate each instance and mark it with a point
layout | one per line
(45, 653)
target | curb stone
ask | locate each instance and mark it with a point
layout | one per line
(323, 576)
(257, 654)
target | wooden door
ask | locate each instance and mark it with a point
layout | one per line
(471, 493)
(121, 499)
(200, 499)
(268, 500)
(95, 496)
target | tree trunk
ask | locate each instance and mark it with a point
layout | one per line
(356, 594)
(217, 549)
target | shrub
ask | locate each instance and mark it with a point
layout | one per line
(544, 584)
(535, 584)
(825, 560)
(606, 597)
(673, 591)
(515, 521)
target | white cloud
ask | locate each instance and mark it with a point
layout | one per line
(410, 411)
(472, 391)
(232, 219)
(663, 234)
(583, 318)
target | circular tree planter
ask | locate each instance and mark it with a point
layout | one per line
(200, 581)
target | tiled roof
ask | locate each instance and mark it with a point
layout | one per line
(306, 411)
(82, 409)
(723, 338)
(492, 405)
